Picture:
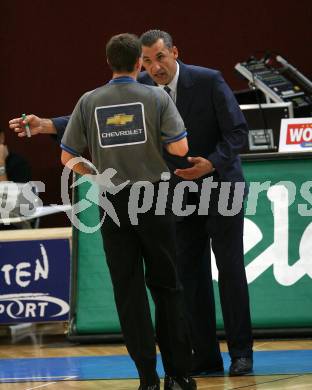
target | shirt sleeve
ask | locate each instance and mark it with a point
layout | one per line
(74, 139)
(60, 124)
(172, 127)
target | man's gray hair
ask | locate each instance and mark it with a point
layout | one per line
(151, 36)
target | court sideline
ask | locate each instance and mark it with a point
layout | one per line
(36, 341)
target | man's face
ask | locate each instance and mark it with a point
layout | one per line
(160, 62)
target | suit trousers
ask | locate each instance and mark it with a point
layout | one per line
(139, 256)
(194, 234)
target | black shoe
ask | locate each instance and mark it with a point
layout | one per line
(206, 370)
(241, 366)
(206, 366)
(149, 387)
(179, 383)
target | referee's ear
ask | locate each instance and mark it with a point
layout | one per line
(139, 64)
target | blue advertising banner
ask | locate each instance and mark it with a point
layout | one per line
(34, 280)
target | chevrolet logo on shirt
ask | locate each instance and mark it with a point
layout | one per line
(121, 125)
(119, 119)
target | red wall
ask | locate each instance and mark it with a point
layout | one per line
(52, 51)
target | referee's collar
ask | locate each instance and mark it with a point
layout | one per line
(122, 79)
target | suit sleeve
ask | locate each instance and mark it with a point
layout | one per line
(60, 124)
(232, 125)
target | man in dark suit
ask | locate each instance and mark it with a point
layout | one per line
(217, 132)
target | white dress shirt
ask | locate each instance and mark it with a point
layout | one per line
(173, 85)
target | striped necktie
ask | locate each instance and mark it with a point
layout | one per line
(168, 90)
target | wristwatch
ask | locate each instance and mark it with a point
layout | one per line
(2, 170)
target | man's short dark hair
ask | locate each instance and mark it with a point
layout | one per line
(123, 51)
(150, 37)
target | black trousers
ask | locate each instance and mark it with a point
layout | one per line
(194, 234)
(142, 255)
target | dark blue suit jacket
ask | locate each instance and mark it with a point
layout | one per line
(215, 124)
(216, 127)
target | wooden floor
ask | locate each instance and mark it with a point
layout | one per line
(37, 341)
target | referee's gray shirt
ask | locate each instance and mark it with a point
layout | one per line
(124, 124)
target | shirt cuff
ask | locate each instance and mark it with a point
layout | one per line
(70, 150)
(175, 138)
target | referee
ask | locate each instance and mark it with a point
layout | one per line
(124, 124)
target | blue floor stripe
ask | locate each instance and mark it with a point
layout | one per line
(122, 367)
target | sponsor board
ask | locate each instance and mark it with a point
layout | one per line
(296, 135)
(34, 281)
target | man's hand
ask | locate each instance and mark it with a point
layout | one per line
(200, 168)
(37, 125)
(3, 154)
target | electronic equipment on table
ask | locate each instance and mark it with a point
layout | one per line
(279, 81)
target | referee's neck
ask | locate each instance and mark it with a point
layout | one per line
(133, 74)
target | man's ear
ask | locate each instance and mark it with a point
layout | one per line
(139, 64)
(175, 52)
